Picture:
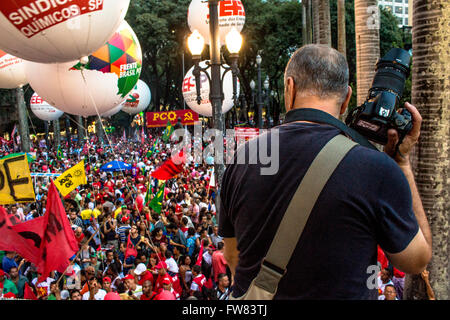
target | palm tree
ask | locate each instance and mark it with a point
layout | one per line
(316, 22)
(306, 21)
(367, 24)
(341, 27)
(325, 26)
(431, 95)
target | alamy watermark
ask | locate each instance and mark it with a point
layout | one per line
(228, 149)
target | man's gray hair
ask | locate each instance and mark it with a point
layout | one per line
(319, 70)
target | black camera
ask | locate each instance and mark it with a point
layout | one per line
(379, 113)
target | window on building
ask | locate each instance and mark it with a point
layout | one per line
(399, 10)
(406, 10)
(406, 22)
(400, 20)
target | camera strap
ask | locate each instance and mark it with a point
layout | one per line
(315, 115)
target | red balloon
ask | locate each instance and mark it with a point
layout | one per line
(166, 295)
(112, 296)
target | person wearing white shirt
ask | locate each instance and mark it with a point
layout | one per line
(94, 293)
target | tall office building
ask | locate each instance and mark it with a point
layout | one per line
(400, 8)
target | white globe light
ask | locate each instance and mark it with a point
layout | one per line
(12, 71)
(205, 108)
(234, 41)
(138, 99)
(196, 43)
(43, 110)
(49, 31)
(231, 14)
(94, 88)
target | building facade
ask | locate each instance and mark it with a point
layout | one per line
(401, 9)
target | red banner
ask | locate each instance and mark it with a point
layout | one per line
(24, 238)
(58, 241)
(31, 17)
(159, 119)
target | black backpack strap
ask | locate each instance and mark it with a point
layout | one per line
(315, 115)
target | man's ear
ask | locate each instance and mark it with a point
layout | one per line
(344, 105)
(289, 94)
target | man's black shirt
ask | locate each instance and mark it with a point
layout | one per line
(366, 202)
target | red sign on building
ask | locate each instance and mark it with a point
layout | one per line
(159, 119)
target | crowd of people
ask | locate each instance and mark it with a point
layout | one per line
(179, 254)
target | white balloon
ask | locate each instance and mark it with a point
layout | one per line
(12, 71)
(231, 14)
(205, 108)
(49, 31)
(138, 99)
(43, 110)
(113, 111)
(98, 87)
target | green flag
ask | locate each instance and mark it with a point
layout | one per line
(147, 195)
(156, 202)
(59, 153)
(168, 132)
(152, 150)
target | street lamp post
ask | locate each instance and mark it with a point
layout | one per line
(259, 98)
(196, 44)
(266, 99)
(253, 86)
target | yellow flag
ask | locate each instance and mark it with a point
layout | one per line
(16, 185)
(71, 179)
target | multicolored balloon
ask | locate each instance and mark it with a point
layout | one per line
(189, 89)
(43, 110)
(96, 87)
(231, 14)
(138, 99)
(49, 31)
(12, 71)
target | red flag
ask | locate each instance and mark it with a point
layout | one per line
(24, 238)
(131, 250)
(169, 169)
(200, 256)
(59, 242)
(28, 293)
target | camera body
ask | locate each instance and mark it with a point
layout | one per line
(379, 112)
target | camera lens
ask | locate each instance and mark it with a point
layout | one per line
(392, 72)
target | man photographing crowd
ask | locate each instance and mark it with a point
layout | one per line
(371, 198)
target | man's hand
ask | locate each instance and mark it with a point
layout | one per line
(404, 149)
(425, 275)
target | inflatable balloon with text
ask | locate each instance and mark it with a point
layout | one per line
(49, 31)
(12, 71)
(97, 86)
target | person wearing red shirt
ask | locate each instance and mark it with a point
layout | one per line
(147, 291)
(79, 235)
(167, 292)
(219, 264)
(110, 184)
(162, 275)
(97, 184)
(142, 274)
(199, 280)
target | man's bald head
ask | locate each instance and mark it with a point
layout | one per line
(319, 70)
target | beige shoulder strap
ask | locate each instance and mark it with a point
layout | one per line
(283, 245)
